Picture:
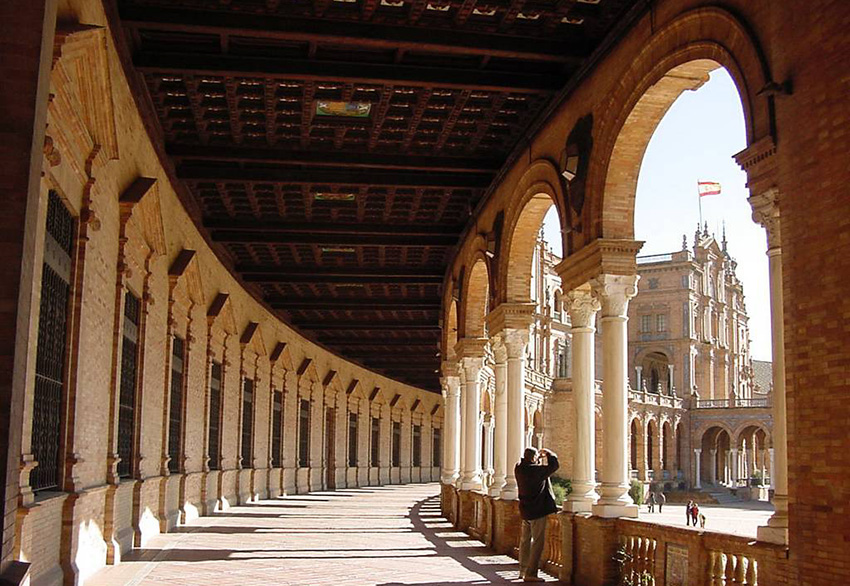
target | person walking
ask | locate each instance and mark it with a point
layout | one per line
(695, 513)
(662, 500)
(536, 503)
(688, 509)
(651, 502)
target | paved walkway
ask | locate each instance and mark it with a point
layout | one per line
(741, 518)
(385, 536)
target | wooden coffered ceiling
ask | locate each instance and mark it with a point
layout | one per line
(345, 225)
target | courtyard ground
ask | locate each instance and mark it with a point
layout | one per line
(376, 536)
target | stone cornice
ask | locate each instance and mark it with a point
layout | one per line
(471, 348)
(758, 161)
(511, 316)
(602, 256)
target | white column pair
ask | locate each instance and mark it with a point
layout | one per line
(611, 294)
(451, 441)
(509, 350)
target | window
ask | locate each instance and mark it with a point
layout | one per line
(646, 323)
(277, 429)
(686, 281)
(214, 440)
(128, 383)
(52, 341)
(175, 413)
(352, 440)
(417, 446)
(437, 447)
(661, 322)
(375, 443)
(248, 423)
(396, 444)
(304, 433)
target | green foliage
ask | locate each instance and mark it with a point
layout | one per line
(636, 492)
(561, 487)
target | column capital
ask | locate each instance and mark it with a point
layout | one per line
(500, 351)
(515, 342)
(583, 306)
(766, 213)
(511, 316)
(614, 293)
(697, 451)
(472, 366)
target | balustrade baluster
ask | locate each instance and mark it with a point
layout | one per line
(738, 576)
(729, 570)
(716, 569)
(751, 575)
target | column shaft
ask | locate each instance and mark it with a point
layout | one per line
(451, 442)
(583, 308)
(500, 433)
(515, 342)
(471, 475)
(614, 293)
(697, 461)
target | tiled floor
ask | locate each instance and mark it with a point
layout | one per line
(374, 536)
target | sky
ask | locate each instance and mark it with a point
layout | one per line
(695, 141)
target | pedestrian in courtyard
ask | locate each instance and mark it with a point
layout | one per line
(662, 500)
(688, 510)
(536, 503)
(695, 513)
(651, 502)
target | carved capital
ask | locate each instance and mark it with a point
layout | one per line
(582, 306)
(614, 293)
(500, 352)
(515, 341)
(472, 366)
(511, 316)
(766, 213)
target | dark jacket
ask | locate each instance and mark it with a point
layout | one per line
(535, 492)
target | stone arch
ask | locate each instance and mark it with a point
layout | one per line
(450, 327)
(537, 191)
(677, 57)
(634, 440)
(475, 294)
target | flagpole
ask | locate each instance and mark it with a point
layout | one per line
(699, 199)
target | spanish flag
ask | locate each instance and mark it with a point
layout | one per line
(708, 188)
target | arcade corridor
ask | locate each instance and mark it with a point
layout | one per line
(377, 535)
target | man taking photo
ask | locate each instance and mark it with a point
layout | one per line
(536, 502)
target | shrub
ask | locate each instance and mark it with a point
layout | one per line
(561, 487)
(636, 492)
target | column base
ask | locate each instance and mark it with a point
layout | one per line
(449, 479)
(613, 510)
(509, 492)
(471, 485)
(578, 506)
(495, 490)
(777, 535)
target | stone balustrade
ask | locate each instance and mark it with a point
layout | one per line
(742, 402)
(622, 548)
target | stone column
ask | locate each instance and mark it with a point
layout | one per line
(772, 468)
(670, 379)
(488, 445)
(734, 467)
(500, 433)
(471, 474)
(614, 293)
(583, 307)
(515, 343)
(638, 379)
(712, 473)
(451, 440)
(697, 453)
(462, 426)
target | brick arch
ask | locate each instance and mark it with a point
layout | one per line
(749, 424)
(678, 57)
(537, 191)
(450, 326)
(703, 432)
(475, 293)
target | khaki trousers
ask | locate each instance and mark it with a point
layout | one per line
(531, 546)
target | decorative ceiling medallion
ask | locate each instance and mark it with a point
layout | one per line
(323, 196)
(343, 109)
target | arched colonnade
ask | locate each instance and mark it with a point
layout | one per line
(585, 161)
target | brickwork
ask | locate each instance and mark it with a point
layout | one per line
(134, 236)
